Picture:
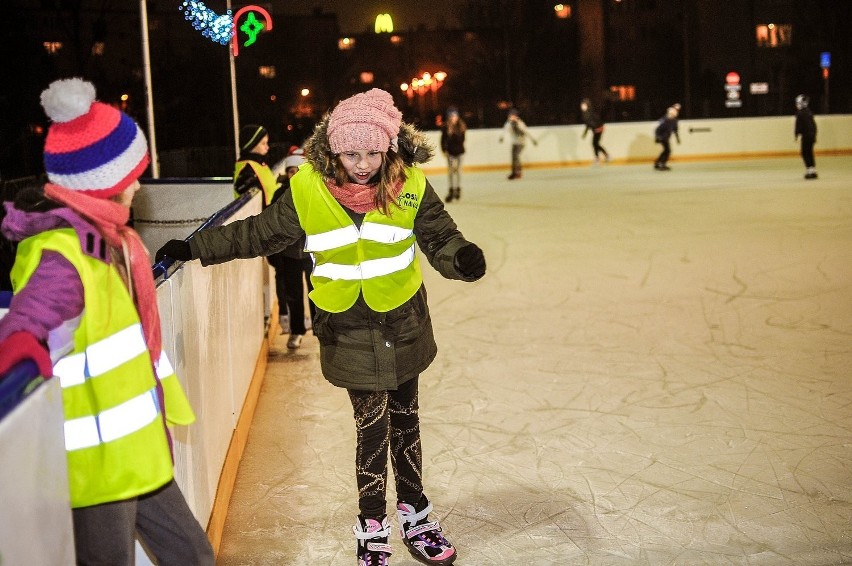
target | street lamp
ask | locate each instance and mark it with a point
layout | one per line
(421, 86)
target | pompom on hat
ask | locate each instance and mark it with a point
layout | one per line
(367, 121)
(90, 147)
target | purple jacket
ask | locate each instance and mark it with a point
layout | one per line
(54, 293)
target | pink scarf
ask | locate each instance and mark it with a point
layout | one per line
(358, 198)
(110, 218)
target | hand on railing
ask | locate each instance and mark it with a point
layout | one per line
(20, 346)
(175, 249)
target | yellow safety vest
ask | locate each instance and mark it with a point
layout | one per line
(268, 180)
(115, 438)
(378, 260)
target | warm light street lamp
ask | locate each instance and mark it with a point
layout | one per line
(423, 85)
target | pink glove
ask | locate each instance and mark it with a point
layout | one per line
(20, 346)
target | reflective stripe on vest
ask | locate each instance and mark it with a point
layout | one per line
(381, 233)
(367, 269)
(377, 261)
(112, 424)
(101, 357)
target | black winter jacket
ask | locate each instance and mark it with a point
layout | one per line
(805, 124)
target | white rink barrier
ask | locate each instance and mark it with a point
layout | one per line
(36, 511)
(213, 331)
(633, 142)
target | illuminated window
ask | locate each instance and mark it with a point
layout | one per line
(345, 43)
(98, 48)
(266, 71)
(396, 39)
(52, 47)
(366, 77)
(624, 93)
(774, 35)
(563, 11)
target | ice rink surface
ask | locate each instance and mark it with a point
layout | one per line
(656, 369)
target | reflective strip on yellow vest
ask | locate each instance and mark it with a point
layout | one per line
(268, 180)
(101, 357)
(367, 269)
(112, 352)
(377, 261)
(112, 424)
(116, 440)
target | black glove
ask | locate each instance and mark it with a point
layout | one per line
(175, 249)
(470, 261)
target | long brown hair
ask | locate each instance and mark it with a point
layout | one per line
(391, 175)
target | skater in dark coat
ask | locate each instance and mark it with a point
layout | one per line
(365, 207)
(452, 145)
(593, 122)
(807, 129)
(666, 126)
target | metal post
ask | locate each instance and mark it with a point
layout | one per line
(149, 91)
(236, 112)
(687, 99)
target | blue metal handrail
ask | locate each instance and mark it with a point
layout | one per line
(16, 384)
(167, 266)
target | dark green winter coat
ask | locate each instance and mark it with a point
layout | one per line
(359, 348)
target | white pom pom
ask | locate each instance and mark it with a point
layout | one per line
(67, 99)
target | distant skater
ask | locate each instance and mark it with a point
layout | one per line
(518, 133)
(806, 127)
(452, 145)
(593, 122)
(666, 126)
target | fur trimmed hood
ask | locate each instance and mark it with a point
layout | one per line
(414, 147)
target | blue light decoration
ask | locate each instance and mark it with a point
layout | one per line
(217, 27)
(222, 28)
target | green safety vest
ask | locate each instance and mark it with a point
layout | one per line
(268, 180)
(115, 439)
(378, 260)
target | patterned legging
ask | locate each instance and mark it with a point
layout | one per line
(386, 419)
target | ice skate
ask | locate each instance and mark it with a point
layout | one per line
(422, 537)
(372, 541)
(294, 341)
(450, 196)
(811, 173)
(284, 322)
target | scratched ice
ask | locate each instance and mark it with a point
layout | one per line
(656, 370)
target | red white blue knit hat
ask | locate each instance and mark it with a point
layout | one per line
(90, 147)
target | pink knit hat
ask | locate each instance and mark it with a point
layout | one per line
(90, 147)
(367, 121)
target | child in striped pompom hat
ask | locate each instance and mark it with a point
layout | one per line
(85, 311)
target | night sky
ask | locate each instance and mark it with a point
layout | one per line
(355, 16)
